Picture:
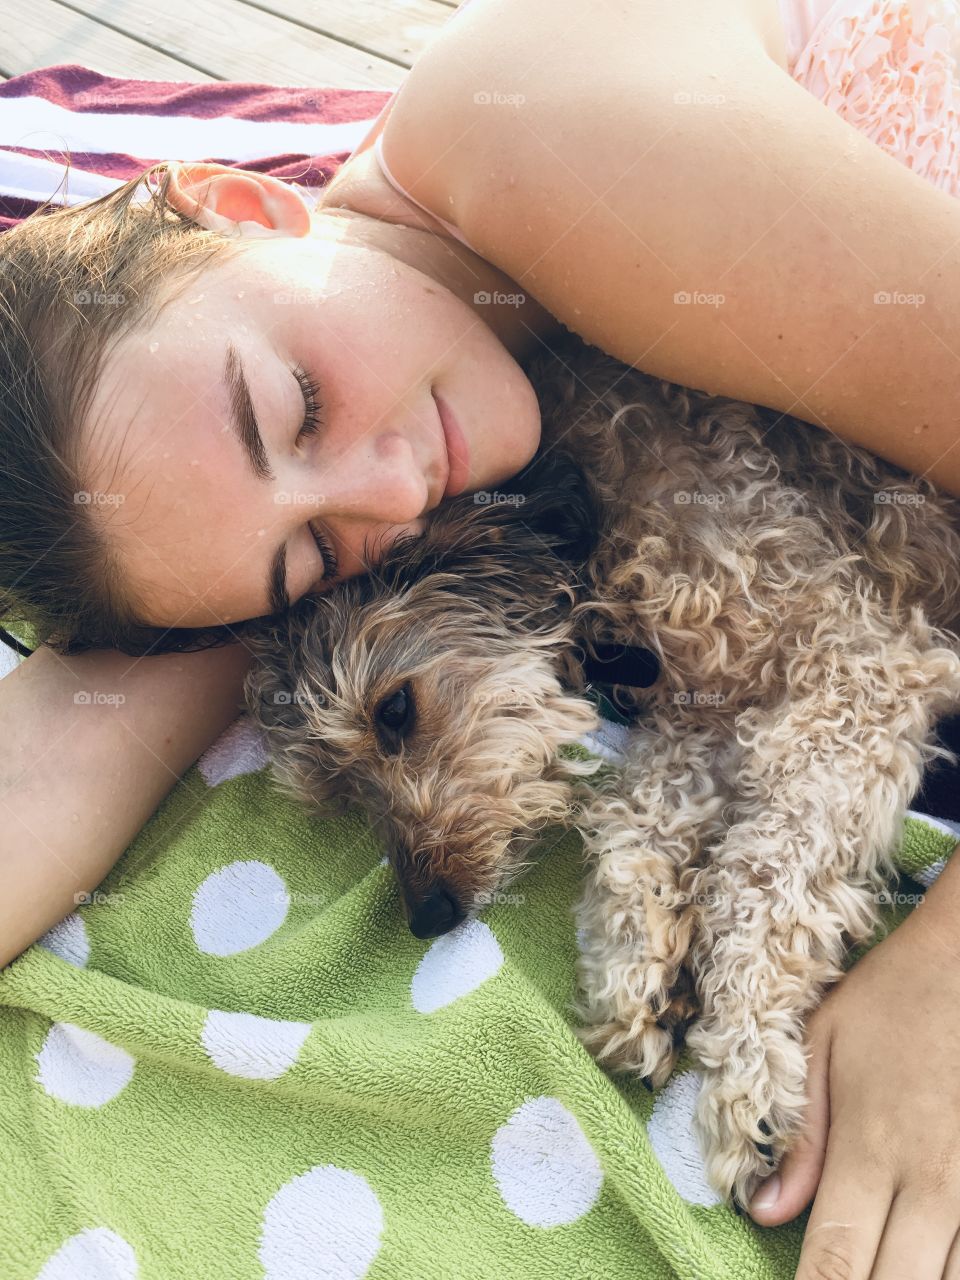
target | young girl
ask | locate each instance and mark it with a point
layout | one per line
(281, 393)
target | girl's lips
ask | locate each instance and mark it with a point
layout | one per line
(458, 453)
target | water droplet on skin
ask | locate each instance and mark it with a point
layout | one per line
(241, 293)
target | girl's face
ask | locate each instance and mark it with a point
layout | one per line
(277, 426)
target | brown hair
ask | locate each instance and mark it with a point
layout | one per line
(73, 281)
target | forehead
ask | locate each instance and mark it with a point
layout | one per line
(161, 463)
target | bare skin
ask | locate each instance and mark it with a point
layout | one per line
(772, 201)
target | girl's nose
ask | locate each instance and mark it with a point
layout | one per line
(382, 483)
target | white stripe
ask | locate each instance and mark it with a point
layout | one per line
(33, 179)
(39, 124)
(29, 178)
(940, 824)
(927, 875)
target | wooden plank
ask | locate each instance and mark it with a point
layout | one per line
(393, 29)
(234, 41)
(45, 32)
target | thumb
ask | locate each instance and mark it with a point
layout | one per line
(788, 1191)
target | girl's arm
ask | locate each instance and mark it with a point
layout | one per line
(78, 779)
(666, 190)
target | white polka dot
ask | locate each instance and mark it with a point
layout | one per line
(609, 740)
(79, 1067)
(324, 1224)
(456, 964)
(244, 1044)
(238, 907)
(68, 940)
(94, 1254)
(240, 749)
(544, 1166)
(672, 1136)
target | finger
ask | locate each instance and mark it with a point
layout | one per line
(917, 1238)
(849, 1214)
(793, 1186)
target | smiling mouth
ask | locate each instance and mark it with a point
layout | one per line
(458, 454)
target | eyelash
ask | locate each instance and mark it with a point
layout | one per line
(313, 420)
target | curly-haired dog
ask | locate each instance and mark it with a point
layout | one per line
(799, 594)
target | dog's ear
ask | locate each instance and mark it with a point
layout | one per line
(541, 523)
(272, 689)
(558, 505)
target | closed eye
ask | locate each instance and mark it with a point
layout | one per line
(313, 416)
(327, 554)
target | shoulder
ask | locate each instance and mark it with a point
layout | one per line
(504, 71)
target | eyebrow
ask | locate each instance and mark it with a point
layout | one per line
(243, 420)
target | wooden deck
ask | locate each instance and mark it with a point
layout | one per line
(355, 44)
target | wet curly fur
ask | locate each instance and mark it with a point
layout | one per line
(802, 597)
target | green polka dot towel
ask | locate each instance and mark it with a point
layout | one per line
(235, 1063)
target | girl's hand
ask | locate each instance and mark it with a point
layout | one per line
(881, 1145)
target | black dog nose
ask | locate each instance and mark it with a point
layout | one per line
(435, 915)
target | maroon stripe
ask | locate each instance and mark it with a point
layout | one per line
(307, 171)
(79, 89)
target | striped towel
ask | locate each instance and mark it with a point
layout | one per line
(112, 129)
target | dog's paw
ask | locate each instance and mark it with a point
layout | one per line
(641, 1038)
(741, 1147)
(640, 1046)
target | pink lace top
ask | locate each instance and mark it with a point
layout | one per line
(891, 68)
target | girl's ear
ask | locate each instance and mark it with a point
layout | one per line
(237, 202)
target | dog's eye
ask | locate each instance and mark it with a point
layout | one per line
(396, 712)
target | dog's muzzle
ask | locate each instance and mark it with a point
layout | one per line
(437, 914)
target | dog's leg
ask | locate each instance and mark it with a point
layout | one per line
(636, 920)
(823, 785)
